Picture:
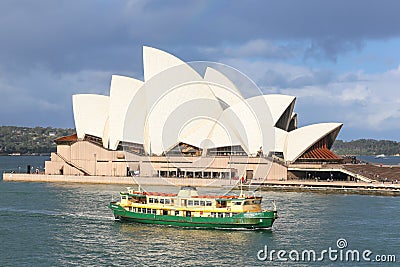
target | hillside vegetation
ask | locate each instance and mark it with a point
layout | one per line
(30, 141)
(40, 140)
(366, 147)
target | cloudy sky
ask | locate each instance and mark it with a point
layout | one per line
(341, 59)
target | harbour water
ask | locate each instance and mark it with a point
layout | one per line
(55, 224)
(386, 160)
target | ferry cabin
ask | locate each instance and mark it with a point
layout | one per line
(187, 203)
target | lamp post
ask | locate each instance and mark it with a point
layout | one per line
(95, 164)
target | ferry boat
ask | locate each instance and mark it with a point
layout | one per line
(189, 209)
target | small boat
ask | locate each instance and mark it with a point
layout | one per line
(380, 156)
(189, 209)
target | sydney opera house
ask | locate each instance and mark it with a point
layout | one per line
(196, 120)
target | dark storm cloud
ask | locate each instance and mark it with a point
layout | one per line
(74, 35)
(60, 35)
(52, 49)
(281, 80)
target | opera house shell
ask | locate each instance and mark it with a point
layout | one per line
(182, 121)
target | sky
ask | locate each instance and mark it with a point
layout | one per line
(341, 59)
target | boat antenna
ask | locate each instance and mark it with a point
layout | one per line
(241, 188)
(135, 182)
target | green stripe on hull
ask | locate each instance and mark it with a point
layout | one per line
(243, 220)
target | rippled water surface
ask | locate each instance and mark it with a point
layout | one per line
(45, 224)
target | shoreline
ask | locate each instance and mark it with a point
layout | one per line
(359, 188)
(125, 180)
(335, 187)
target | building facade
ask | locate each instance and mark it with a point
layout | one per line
(189, 120)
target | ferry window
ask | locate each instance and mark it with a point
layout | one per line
(247, 203)
(162, 201)
(151, 200)
(177, 213)
(238, 203)
(257, 201)
(220, 214)
(139, 210)
(154, 211)
(208, 203)
(172, 201)
(202, 203)
(190, 202)
(148, 210)
(165, 212)
(123, 197)
(234, 214)
(156, 200)
(196, 203)
(213, 214)
(167, 201)
(227, 214)
(134, 209)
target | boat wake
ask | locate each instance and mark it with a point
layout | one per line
(52, 213)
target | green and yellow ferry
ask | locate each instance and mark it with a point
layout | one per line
(189, 209)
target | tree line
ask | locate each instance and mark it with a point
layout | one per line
(40, 140)
(29, 141)
(366, 147)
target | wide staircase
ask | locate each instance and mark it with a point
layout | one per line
(381, 173)
(73, 165)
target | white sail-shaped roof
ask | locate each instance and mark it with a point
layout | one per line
(172, 88)
(212, 134)
(301, 139)
(250, 125)
(90, 114)
(106, 133)
(280, 139)
(156, 61)
(177, 104)
(150, 106)
(173, 110)
(217, 130)
(278, 104)
(223, 88)
(122, 91)
(293, 122)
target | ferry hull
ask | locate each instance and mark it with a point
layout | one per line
(253, 220)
